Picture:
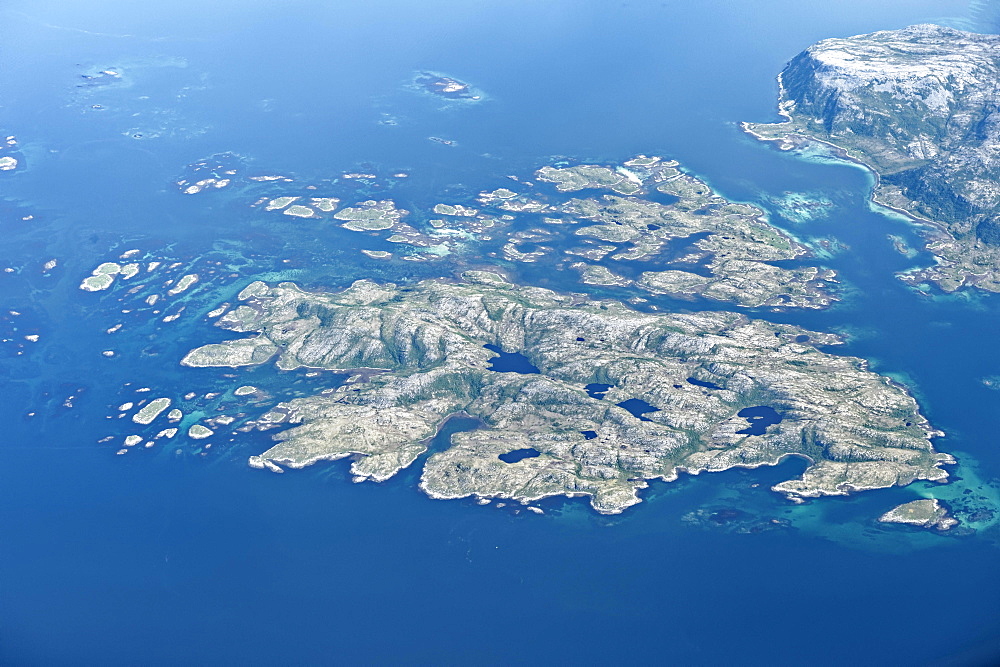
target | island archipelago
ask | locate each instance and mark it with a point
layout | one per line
(561, 394)
(644, 224)
(709, 246)
(599, 400)
(919, 107)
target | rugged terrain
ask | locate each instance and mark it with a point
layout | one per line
(921, 107)
(608, 399)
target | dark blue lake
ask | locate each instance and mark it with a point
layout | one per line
(759, 418)
(519, 455)
(510, 362)
(182, 553)
(638, 408)
(597, 390)
(703, 383)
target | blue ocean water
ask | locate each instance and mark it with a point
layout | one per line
(179, 553)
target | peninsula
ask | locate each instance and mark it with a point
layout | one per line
(919, 106)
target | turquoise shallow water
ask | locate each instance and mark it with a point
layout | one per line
(166, 555)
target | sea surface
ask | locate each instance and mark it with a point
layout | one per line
(182, 553)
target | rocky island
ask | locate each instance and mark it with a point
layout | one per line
(445, 86)
(574, 396)
(919, 106)
(924, 513)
